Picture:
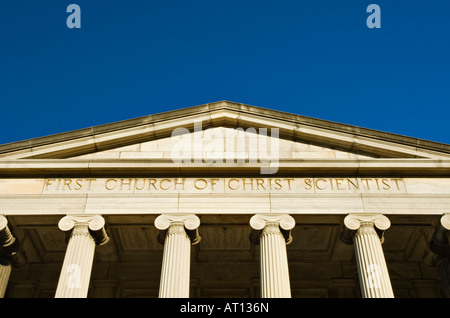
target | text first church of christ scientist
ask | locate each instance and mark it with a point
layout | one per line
(224, 200)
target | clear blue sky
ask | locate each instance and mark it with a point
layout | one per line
(315, 58)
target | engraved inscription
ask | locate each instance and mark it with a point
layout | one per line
(225, 185)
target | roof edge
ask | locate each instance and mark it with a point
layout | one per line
(224, 105)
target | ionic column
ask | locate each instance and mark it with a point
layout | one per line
(84, 232)
(272, 233)
(10, 254)
(6, 239)
(441, 250)
(361, 230)
(177, 233)
(5, 272)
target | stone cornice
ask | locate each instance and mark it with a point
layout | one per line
(138, 167)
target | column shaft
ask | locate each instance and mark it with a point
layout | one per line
(76, 270)
(274, 265)
(440, 247)
(443, 265)
(5, 272)
(175, 273)
(372, 268)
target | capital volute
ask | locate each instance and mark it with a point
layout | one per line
(3, 222)
(445, 222)
(190, 223)
(6, 237)
(284, 222)
(440, 244)
(10, 250)
(94, 223)
(353, 222)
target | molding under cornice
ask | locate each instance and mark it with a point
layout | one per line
(28, 168)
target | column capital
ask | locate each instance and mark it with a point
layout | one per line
(190, 222)
(10, 250)
(6, 237)
(94, 223)
(439, 245)
(440, 234)
(353, 222)
(445, 221)
(284, 222)
(259, 221)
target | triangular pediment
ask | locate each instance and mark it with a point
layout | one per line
(150, 137)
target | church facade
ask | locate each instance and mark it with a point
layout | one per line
(224, 200)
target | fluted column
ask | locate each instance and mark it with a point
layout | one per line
(272, 233)
(177, 233)
(443, 265)
(5, 272)
(10, 254)
(372, 269)
(440, 248)
(84, 233)
(6, 239)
